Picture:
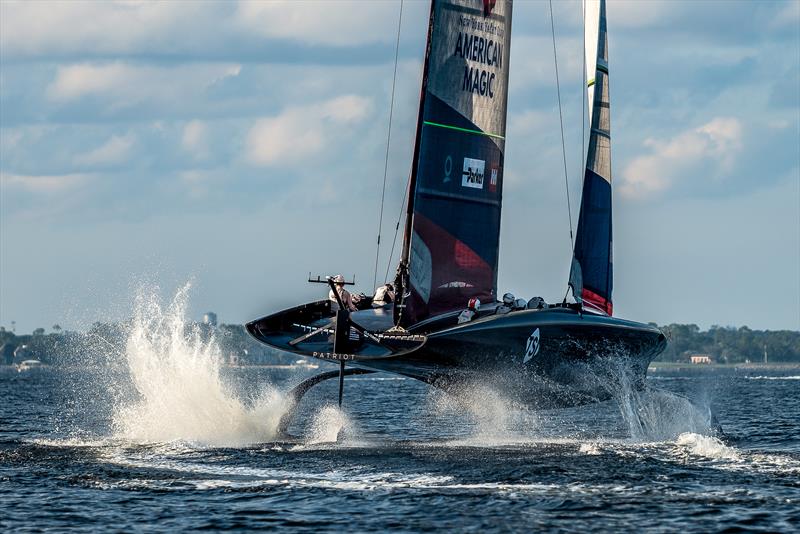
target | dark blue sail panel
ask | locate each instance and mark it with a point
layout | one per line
(457, 177)
(593, 244)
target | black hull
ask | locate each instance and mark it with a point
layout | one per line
(551, 358)
(581, 358)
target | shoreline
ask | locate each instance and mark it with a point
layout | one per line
(681, 366)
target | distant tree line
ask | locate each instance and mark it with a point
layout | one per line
(103, 343)
(729, 344)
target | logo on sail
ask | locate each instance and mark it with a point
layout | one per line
(532, 346)
(473, 173)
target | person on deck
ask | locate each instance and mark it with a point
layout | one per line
(344, 294)
(383, 295)
(537, 303)
(507, 305)
(472, 309)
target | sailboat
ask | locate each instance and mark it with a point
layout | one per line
(542, 356)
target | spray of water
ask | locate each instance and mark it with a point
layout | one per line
(329, 424)
(653, 414)
(179, 390)
(492, 417)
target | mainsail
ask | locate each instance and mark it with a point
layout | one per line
(591, 273)
(451, 242)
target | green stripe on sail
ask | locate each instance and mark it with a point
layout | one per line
(591, 83)
(467, 130)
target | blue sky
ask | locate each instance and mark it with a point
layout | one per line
(241, 145)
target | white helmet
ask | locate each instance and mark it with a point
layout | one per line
(508, 299)
(338, 279)
(520, 304)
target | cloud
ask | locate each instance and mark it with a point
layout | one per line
(788, 17)
(128, 82)
(195, 138)
(221, 29)
(46, 184)
(41, 28)
(115, 150)
(708, 152)
(318, 23)
(299, 132)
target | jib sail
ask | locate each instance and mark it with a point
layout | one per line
(591, 273)
(450, 248)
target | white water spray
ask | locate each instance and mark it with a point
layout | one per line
(327, 425)
(653, 414)
(180, 394)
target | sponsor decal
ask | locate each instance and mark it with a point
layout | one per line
(472, 176)
(532, 346)
(421, 268)
(333, 356)
(481, 43)
(448, 168)
(493, 181)
(456, 283)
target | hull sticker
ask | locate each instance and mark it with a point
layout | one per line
(532, 346)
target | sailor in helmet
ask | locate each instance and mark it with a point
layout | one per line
(507, 305)
(472, 309)
(344, 294)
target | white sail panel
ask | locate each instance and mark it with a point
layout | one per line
(591, 18)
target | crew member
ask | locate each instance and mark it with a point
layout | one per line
(537, 303)
(383, 295)
(507, 305)
(472, 309)
(344, 294)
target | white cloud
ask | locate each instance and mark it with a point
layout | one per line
(708, 151)
(195, 138)
(87, 27)
(115, 150)
(789, 16)
(299, 132)
(35, 28)
(75, 81)
(128, 83)
(44, 183)
(325, 23)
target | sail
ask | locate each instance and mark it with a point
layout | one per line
(451, 243)
(591, 272)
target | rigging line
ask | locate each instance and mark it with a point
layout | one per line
(388, 141)
(561, 120)
(397, 229)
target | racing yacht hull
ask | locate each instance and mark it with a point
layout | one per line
(549, 358)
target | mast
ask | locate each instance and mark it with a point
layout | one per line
(401, 279)
(591, 273)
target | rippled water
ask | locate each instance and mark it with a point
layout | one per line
(168, 438)
(410, 460)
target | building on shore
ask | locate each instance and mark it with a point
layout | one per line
(700, 359)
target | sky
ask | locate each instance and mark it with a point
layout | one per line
(239, 146)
